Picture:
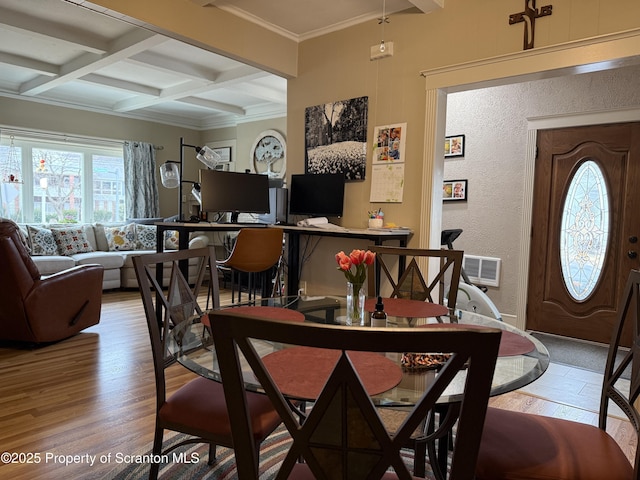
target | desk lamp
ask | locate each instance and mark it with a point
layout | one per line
(171, 172)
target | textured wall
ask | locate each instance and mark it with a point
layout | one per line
(494, 121)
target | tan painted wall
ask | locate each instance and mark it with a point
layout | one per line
(337, 66)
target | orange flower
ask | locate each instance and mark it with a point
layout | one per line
(358, 259)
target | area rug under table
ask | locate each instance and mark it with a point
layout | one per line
(190, 461)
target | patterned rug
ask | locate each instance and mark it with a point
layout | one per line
(190, 462)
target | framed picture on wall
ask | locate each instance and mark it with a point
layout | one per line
(454, 190)
(454, 146)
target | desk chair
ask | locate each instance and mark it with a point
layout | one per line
(256, 250)
(343, 436)
(411, 283)
(197, 408)
(519, 445)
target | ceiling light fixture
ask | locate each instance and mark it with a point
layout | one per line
(384, 19)
(384, 49)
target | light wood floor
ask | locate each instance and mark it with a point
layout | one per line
(93, 396)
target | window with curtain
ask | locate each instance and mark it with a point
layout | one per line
(60, 181)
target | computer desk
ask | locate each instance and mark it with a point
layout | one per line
(378, 237)
(293, 233)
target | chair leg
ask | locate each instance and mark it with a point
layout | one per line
(212, 454)
(419, 458)
(157, 451)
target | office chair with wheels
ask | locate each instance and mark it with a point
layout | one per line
(197, 408)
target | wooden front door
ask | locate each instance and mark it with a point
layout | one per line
(576, 277)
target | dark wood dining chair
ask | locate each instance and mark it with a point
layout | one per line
(342, 436)
(412, 283)
(197, 408)
(518, 445)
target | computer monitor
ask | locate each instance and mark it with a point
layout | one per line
(317, 195)
(234, 192)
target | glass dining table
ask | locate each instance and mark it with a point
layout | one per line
(521, 360)
(394, 381)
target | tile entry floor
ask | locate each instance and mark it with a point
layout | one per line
(572, 386)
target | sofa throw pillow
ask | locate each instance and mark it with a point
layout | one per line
(71, 240)
(121, 238)
(171, 240)
(24, 236)
(42, 241)
(145, 237)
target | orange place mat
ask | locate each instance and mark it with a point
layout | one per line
(302, 372)
(403, 307)
(510, 343)
(272, 313)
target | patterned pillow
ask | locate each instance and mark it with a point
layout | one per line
(121, 238)
(24, 236)
(145, 237)
(42, 241)
(71, 240)
(171, 240)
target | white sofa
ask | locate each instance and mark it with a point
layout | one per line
(99, 249)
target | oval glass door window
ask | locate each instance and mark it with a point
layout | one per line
(584, 232)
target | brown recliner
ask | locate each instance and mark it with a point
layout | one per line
(48, 309)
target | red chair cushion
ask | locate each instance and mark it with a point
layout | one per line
(525, 446)
(200, 404)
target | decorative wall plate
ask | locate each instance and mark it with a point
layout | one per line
(269, 154)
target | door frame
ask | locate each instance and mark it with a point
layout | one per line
(606, 52)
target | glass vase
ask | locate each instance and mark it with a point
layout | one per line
(356, 295)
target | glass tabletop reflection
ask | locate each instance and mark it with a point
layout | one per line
(522, 360)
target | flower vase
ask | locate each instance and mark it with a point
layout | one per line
(356, 295)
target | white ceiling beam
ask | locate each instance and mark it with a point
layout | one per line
(43, 68)
(21, 23)
(427, 6)
(242, 73)
(124, 47)
(213, 105)
(165, 64)
(173, 93)
(132, 87)
(261, 92)
(237, 75)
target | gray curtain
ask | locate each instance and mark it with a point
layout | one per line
(141, 187)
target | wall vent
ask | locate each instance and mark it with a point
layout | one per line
(482, 270)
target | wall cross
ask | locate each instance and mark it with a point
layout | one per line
(529, 18)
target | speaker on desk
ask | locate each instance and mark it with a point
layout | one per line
(278, 201)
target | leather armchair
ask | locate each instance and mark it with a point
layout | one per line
(47, 309)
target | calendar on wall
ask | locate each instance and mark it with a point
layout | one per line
(387, 183)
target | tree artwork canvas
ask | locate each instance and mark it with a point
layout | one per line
(336, 138)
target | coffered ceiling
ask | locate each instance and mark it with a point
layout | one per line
(62, 53)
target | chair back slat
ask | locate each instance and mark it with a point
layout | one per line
(621, 362)
(343, 435)
(167, 307)
(413, 283)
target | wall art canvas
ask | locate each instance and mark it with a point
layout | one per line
(336, 138)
